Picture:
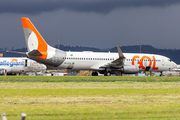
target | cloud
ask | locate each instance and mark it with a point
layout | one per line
(97, 6)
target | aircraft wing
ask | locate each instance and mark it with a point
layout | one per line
(117, 62)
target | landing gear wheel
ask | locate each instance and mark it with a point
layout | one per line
(161, 74)
(94, 74)
(118, 74)
(107, 74)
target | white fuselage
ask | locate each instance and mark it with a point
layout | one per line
(94, 60)
(20, 64)
(105, 63)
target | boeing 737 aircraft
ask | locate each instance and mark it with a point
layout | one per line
(104, 63)
(19, 65)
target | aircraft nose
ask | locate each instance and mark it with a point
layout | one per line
(174, 65)
(44, 67)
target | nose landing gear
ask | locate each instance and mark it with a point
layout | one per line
(161, 74)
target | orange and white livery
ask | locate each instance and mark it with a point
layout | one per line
(104, 63)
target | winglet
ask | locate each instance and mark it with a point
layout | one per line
(120, 52)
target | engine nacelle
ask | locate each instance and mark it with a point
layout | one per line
(130, 69)
(3, 71)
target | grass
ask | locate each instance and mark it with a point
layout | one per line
(91, 100)
(88, 78)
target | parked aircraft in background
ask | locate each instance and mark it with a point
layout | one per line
(10, 65)
(104, 63)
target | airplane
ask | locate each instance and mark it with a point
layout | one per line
(103, 62)
(18, 65)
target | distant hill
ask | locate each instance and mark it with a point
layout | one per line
(77, 48)
(173, 54)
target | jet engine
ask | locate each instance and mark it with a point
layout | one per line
(3, 71)
(130, 69)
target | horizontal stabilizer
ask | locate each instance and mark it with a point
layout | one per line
(17, 52)
(35, 53)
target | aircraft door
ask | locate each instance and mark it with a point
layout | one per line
(54, 59)
(146, 64)
(163, 62)
(27, 63)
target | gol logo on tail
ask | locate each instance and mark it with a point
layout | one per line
(140, 62)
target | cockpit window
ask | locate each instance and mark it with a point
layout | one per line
(170, 60)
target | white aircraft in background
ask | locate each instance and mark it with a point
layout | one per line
(104, 63)
(9, 65)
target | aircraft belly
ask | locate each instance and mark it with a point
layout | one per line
(82, 67)
(29, 69)
(17, 69)
(76, 65)
(63, 66)
(163, 68)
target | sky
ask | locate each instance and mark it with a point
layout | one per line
(93, 23)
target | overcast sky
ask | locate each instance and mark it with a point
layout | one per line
(93, 23)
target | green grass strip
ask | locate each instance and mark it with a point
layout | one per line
(86, 78)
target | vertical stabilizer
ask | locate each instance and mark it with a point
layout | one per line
(34, 40)
(38, 49)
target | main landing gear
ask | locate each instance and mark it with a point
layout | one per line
(119, 74)
(107, 73)
(94, 74)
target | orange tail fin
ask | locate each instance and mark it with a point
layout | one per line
(34, 40)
